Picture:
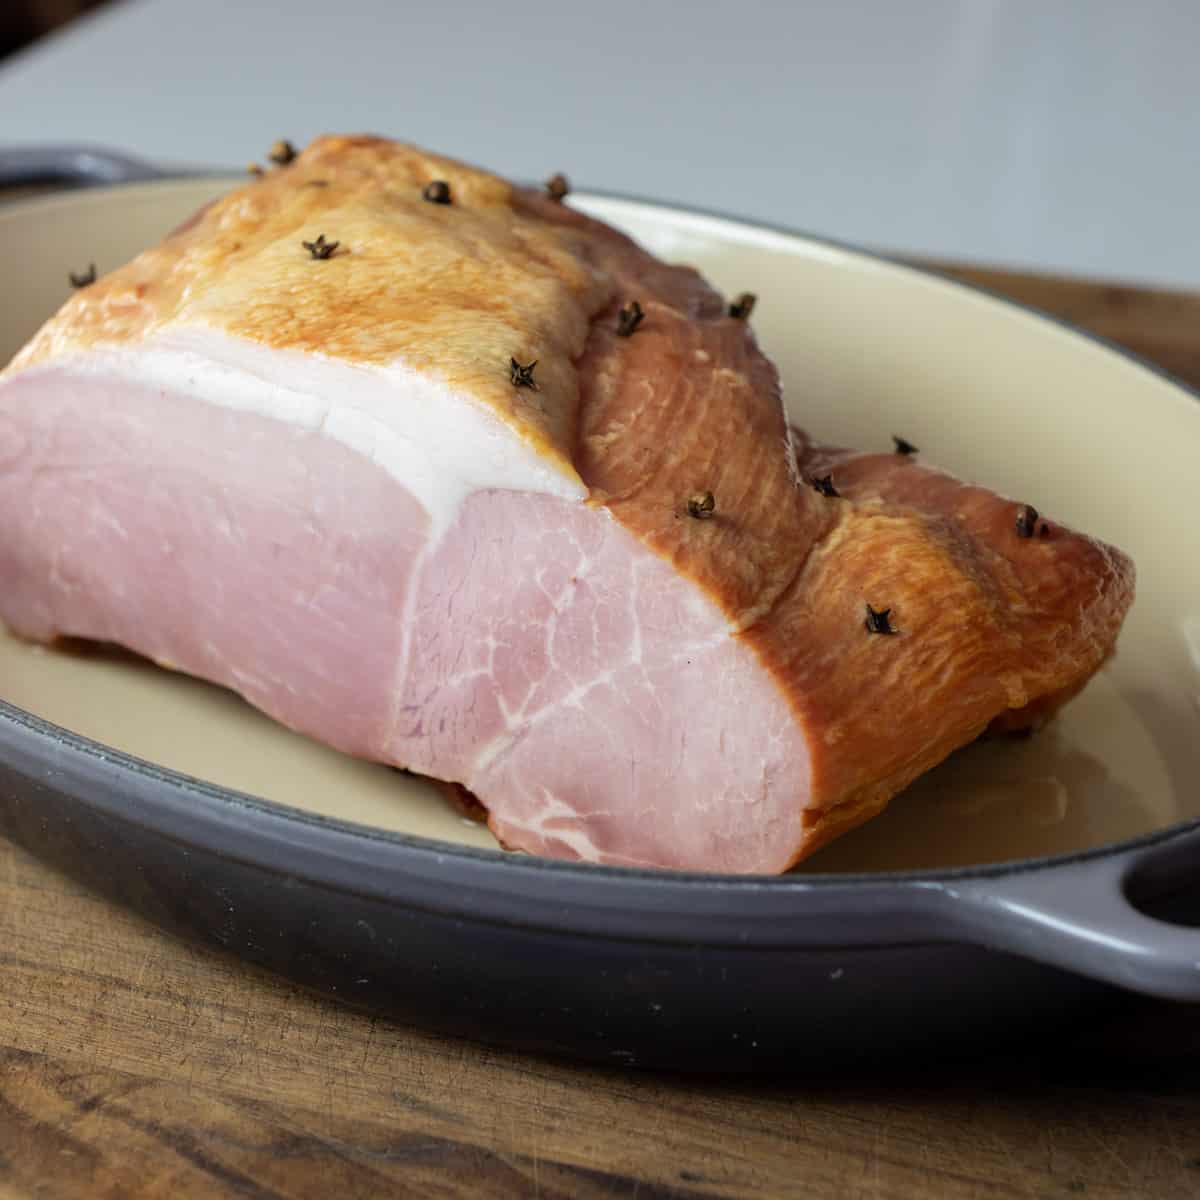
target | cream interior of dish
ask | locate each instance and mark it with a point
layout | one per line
(866, 350)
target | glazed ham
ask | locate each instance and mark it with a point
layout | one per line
(444, 497)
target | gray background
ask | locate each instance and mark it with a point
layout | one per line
(1057, 133)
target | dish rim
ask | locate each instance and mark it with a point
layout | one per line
(231, 800)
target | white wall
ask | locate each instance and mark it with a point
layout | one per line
(1060, 133)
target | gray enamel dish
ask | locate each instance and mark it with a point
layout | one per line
(1005, 890)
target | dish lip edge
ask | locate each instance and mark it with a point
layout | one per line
(418, 845)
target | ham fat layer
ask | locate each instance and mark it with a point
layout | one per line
(315, 481)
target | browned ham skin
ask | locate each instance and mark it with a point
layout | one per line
(206, 433)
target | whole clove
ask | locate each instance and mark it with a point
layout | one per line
(629, 318)
(321, 249)
(824, 485)
(701, 506)
(282, 153)
(904, 447)
(743, 306)
(558, 187)
(84, 278)
(1027, 519)
(437, 192)
(522, 375)
(879, 621)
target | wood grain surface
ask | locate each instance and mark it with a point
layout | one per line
(132, 1065)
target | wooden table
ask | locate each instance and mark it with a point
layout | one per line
(132, 1065)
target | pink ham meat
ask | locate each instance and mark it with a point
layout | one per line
(324, 482)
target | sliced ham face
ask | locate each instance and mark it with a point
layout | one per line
(610, 604)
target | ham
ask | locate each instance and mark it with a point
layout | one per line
(440, 498)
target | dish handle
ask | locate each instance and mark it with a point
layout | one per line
(81, 166)
(1081, 916)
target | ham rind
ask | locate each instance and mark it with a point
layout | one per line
(320, 482)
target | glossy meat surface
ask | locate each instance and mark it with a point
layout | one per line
(318, 482)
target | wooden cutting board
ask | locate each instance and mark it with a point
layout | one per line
(132, 1065)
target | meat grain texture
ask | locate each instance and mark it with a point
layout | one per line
(315, 481)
